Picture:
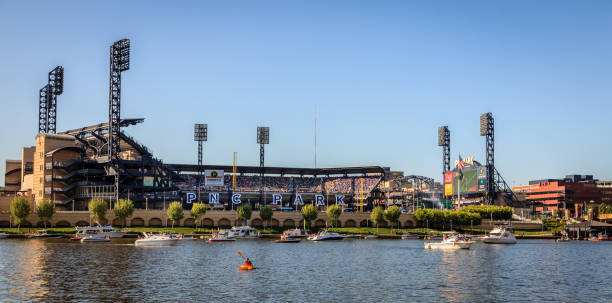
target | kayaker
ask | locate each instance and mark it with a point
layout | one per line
(247, 262)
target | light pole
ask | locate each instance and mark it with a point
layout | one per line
(263, 138)
(200, 135)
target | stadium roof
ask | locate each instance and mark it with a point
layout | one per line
(362, 170)
(124, 123)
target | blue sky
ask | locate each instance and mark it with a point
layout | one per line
(382, 74)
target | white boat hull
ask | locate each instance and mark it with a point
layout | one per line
(456, 245)
(159, 242)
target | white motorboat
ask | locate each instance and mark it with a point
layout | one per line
(370, 237)
(95, 238)
(243, 232)
(450, 240)
(564, 237)
(221, 236)
(295, 234)
(325, 235)
(154, 240)
(3, 235)
(502, 234)
(106, 230)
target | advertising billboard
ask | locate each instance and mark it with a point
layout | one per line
(469, 183)
(448, 177)
(448, 189)
(213, 177)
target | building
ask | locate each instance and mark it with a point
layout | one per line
(571, 195)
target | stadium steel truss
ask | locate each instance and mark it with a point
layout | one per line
(86, 177)
(119, 62)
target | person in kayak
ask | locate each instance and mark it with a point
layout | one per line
(247, 262)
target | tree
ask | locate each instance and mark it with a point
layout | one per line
(97, 209)
(45, 210)
(20, 208)
(392, 214)
(334, 212)
(244, 212)
(175, 212)
(377, 216)
(198, 210)
(309, 213)
(124, 208)
(266, 213)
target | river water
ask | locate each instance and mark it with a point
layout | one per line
(56, 270)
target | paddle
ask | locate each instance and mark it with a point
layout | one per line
(240, 254)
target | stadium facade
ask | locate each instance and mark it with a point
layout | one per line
(71, 167)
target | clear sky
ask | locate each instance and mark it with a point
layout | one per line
(382, 74)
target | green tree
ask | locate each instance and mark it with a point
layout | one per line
(198, 210)
(124, 208)
(604, 209)
(309, 213)
(377, 216)
(20, 208)
(97, 209)
(45, 210)
(244, 212)
(175, 212)
(266, 213)
(334, 212)
(392, 214)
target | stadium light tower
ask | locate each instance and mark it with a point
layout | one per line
(47, 101)
(444, 141)
(119, 62)
(487, 130)
(200, 135)
(263, 138)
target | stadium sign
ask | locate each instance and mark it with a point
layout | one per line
(298, 200)
(190, 197)
(213, 177)
(468, 161)
(236, 198)
(340, 200)
(213, 198)
(277, 199)
(319, 200)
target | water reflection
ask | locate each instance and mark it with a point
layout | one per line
(348, 271)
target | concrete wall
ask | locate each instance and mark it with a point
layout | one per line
(44, 144)
(212, 218)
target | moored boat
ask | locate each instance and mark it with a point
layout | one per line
(285, 239)
(221, 236)
(450, 240)
(325, 235)
(295, 233)
(243, 232)
(600, 237)
(410, 237)
(104, 230)
(154, 240)
(503, 234)
(44, 234)
(3, 235)
(95, 238)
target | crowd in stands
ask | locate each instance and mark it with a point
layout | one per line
(288, 184)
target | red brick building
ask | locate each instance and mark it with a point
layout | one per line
(574, 193)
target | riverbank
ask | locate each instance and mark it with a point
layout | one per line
(388, 233)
